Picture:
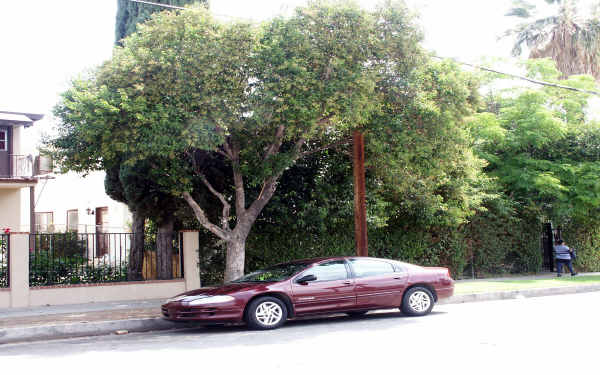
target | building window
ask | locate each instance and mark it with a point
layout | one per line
(44, 222)
(72, 220)
(3, 140)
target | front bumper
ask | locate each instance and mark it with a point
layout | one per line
(176, 311)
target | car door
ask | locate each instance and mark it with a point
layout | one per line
(377, 283)
(332, 290)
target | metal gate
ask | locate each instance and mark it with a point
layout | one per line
(549, 237)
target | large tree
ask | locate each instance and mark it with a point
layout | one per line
(570, 36)
(259, 96)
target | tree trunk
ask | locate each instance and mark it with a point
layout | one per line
(164, 249)
(136, 255)
(236, 253)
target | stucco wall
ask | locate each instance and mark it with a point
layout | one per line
(17, 132)
(106, 292)
(4, 298)
(10, 209)
(25, 212)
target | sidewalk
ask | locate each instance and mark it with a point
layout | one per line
(92, 319)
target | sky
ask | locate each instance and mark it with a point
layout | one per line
(46, 43)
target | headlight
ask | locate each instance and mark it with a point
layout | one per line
(212, 299)
(177, 298)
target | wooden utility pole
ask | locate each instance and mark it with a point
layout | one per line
(360, 201)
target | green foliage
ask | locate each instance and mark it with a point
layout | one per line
(130, 14)
(584, 238)
(499, 241)
(47, 268)
(61, 244)
(424, 160)
(3, 261)
(543, 151)
(539, 146)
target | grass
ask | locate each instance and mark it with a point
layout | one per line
(469, 287)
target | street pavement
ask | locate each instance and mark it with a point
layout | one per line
(541, 335)
(92, 319)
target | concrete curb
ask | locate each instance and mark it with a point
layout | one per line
(83, 329)
(524, 293)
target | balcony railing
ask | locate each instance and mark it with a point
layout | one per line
(21, 166)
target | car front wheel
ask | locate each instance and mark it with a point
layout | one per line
(266, 313)
(417, 301)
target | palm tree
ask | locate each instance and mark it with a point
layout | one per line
(570, 37)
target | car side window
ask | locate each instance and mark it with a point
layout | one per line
(330, 271)
(398, 267)
(369, 267)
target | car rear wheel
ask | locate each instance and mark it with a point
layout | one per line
(417, 301)
(266, 313)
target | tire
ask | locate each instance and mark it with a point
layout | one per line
(357, 313)
(417, 301)
(266, 313)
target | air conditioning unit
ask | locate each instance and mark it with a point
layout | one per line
(43, 165)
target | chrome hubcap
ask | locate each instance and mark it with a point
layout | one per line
(268, 313)
(419, 301)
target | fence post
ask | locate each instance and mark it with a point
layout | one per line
(190, 260)
(19, 269)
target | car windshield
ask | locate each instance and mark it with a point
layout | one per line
(278, 272)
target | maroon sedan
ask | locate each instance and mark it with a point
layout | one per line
(265, 299)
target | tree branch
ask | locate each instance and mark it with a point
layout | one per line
(238, 181)
(201, 216)
(228, 150)
(226, 205)
(222, 153)
(297, 147)
(338, 143)
(274, 147)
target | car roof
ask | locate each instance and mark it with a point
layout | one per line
(313, 260)
(323, 259)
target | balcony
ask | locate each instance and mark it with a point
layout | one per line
(21, 166)
(17, 169)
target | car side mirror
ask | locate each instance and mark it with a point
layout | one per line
(306, 278)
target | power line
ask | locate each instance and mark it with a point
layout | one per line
(179, 8)
(535, 81)
(158, 4)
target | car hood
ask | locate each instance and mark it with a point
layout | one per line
(225, 289)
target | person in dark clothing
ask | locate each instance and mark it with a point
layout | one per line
(563, 257)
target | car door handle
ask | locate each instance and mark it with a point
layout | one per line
(347, 282)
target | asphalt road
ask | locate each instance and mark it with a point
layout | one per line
(544, 335)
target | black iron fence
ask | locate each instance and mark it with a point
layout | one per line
(4, 260)
(83, 258)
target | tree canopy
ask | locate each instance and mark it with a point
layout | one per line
(260, 96)
(541, 146)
